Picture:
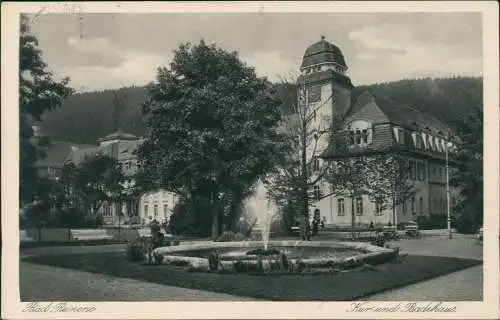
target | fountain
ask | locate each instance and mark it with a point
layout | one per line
(261, 207)
(266, 256)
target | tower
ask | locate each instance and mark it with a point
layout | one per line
(327, 88)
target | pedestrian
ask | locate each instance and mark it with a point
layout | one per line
(316, 221)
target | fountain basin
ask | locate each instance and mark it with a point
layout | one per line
(294, 256)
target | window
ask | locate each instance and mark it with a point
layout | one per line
(145, 209)
(359, 206)
(413, 170)
(422, 171)
(351, 137)
(418, 142)
(413, 212)
(165, 210)
(155, 208)
(316, 163)
(316, 193)
(106, 209)
(364, 134)
(421, 205)
(440, 173)
(340, 207)
(378, 207)
(404, 207)
(358, 137)
(314, 94)
(401, 136)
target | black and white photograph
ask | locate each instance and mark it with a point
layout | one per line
(210, 154)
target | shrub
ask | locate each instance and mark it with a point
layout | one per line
(134, 252)
(229, 236)
(465, 224)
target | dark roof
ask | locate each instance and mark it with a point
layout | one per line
(122, 150)
(118, 135)
(409, 117)
(383, 139)
(57, 152)
(321, 52)
(326, 76)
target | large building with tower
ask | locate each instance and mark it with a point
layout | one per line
(379, 125)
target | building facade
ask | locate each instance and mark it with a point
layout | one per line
(141, 209)
(372, 125)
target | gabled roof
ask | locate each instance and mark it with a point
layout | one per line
(409, 117)
(57, 152)
(77, 156)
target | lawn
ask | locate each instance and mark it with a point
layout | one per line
(341, 286)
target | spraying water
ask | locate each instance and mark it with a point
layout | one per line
(262, 208)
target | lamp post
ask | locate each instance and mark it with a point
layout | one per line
(448, 213)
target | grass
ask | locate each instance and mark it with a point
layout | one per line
(342, 286)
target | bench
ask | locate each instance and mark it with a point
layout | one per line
(412, 230)
(24, 237)
(90, 234)
(295, 230)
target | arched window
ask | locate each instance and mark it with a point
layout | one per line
(359, 206)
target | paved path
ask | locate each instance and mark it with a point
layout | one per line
(46, 283)
(463, 285)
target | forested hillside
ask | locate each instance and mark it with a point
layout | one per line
(85, 117)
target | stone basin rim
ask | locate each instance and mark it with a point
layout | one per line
(276, 243)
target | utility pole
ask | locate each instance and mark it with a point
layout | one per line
(448, 213)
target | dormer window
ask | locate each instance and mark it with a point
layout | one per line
(359, 133)
(401, 136)
(358, 136)
(351, 137)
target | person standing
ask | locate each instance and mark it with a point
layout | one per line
(316, 221)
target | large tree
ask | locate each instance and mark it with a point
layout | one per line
(211, 128)
(391, 181)
(349, 177)
(38, 93)
(97, 180)
(468, 172)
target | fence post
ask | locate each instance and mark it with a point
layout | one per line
(69, 234)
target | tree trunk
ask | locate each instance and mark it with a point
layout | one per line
(393, 211)
(353, 218)
(304, 191)
(216, 216)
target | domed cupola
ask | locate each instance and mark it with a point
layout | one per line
(321, 56)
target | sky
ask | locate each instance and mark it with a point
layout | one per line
(107, 51)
